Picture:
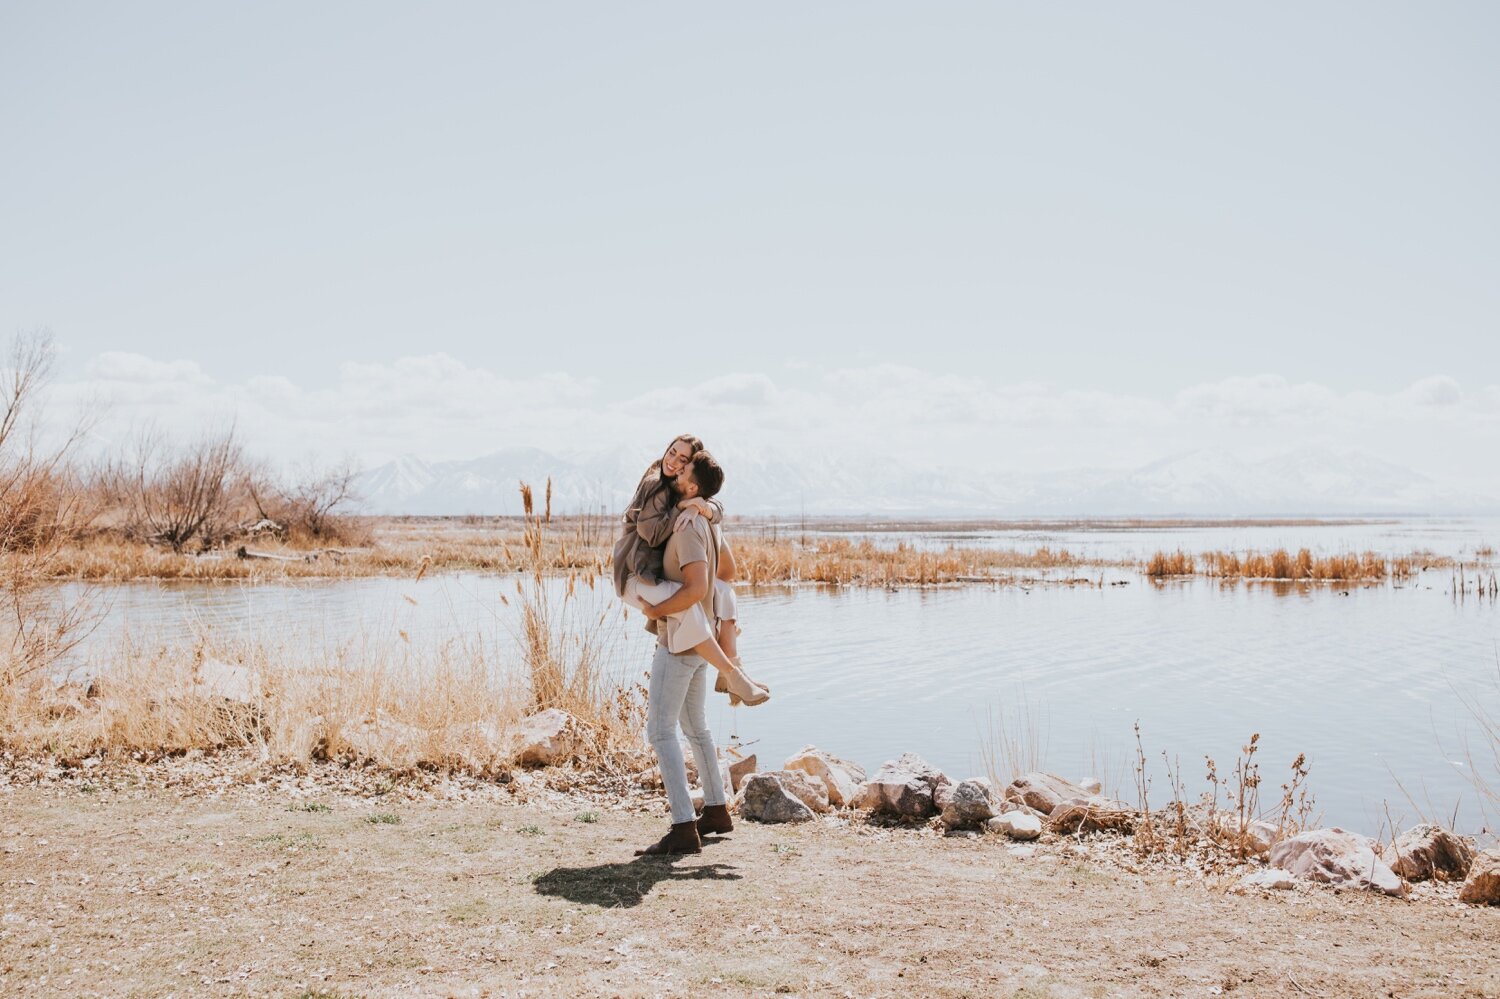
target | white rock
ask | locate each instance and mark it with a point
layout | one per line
(216, 678)
(1260, 836)
(1270, 879)
(1092, 785)
(1337, 857)
(840, 777)
(545, 738)
(808, 789)
(1016, 825)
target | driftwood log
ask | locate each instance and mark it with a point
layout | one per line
(312, 556)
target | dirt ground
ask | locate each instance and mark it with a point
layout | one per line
(144, 885)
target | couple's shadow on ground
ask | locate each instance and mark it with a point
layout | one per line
(626, 885)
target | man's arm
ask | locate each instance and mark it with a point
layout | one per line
(694, 588)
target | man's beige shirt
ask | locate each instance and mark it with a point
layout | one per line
(697, 542)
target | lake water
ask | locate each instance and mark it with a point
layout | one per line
(1368, 681)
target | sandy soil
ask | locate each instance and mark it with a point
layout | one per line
(143, 884)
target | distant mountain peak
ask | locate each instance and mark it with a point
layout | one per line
(1313, 479)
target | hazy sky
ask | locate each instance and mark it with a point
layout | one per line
(1078, 233)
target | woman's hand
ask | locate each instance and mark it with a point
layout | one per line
(690, 508)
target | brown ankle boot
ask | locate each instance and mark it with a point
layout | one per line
(682, 838)
(715, 819)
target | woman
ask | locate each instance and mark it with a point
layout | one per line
(654, 512)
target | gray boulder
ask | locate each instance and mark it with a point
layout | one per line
(805, 788)
(764, 798)
(904, 788)
(1337, 857)
(1427, 851)
(1044, 791)
(968, 806)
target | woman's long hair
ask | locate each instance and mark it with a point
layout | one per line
(654, 469)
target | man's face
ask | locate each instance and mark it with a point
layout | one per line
(687, 488)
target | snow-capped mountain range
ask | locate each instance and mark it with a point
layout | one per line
(1305, 481)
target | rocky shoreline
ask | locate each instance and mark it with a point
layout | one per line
(1036, 812)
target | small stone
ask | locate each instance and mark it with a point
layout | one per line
(1483, 884)
(1270, 879)
(1016, 825)
(1092, 785)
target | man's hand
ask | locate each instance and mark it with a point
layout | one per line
(652, 614)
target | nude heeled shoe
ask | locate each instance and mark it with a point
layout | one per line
(740, 688)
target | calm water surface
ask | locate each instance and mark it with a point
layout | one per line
(1366, 682)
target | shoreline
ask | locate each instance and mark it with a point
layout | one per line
(220, 875)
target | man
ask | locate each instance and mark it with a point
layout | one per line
(679, 682)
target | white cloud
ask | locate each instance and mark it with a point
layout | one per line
(439, 407)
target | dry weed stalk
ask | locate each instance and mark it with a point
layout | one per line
(1218, 836)
(565, 647)
(1013, 745)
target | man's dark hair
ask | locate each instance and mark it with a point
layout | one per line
(708, 474)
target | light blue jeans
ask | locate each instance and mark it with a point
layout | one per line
(676, 696)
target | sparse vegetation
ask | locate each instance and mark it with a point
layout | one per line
(1302, 565)
(1219, 830)
(1177, 563)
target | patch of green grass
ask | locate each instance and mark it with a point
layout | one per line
(783, 848)
(586, 817)
(1085, 874)
(309, 806)
(383, 819)
(385, 786)
(290, 841)
(90, 789)
(471, 911)
(324, 994)
(530, 830)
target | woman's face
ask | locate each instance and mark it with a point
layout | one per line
(676, 459)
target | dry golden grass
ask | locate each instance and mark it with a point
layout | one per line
(569, 546)
(842, 561)
(394, 706)
(1301, 565)
(1177, 563)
